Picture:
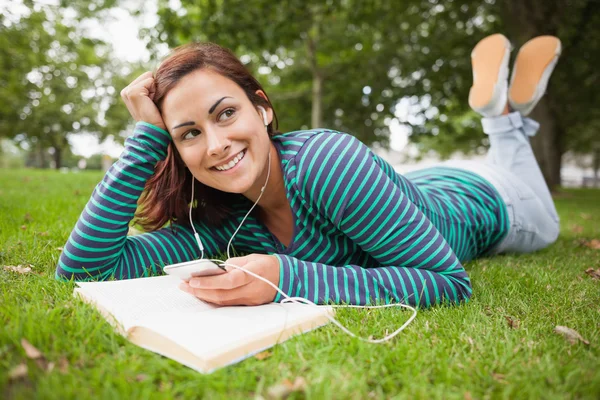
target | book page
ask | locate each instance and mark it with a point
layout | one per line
(132, 300)
(216, 332)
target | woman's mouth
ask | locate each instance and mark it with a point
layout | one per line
(231, 164)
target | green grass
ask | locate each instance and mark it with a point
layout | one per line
(459, 352)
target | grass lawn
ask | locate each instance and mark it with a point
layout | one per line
(500, 345)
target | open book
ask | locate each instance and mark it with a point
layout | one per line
(155, 314)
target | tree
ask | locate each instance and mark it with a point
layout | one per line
(569, 112)
(54, 80)
(342, 64)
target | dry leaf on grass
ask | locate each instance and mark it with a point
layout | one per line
(576, 228)
(30, 351)
(512, 322)
(45, 233)
(570, 334)
(263, 355)
(59, 249)
(593, 273)
(499, 378)
(286, 387)
(18, 372)
(23, 227)
(19, 269)
(63, 365)
(592, 244)
(34, 354)
(141, 377)
(468, 396)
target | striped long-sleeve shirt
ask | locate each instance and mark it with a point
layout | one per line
(362, 233)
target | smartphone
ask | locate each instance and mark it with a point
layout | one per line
(188, 270)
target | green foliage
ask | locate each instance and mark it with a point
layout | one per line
(461, 352)
(55, 81)
(368, 55)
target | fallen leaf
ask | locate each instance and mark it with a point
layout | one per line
(263, 355)
(468, 396)
(18, 372)
(576, 228)
(23, 227)
(63, 365)
(50, 367)
(59, 249)
(30, 351)
(592, 244)
(593, 273)
(285, 388)
(570, 334)
(18, 269)
(45, 233)
(512, 322)
(498, 377)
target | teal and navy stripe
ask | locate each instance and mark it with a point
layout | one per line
(362, 233)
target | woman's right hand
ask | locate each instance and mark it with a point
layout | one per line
(138, 97)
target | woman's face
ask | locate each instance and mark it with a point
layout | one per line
(219, 133)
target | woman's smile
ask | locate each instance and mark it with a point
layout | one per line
(232, 165)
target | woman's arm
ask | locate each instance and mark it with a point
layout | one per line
(99, 248)
(415, 264)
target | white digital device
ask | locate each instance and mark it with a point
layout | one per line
(190, 269)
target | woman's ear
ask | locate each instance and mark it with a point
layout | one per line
(268, 110)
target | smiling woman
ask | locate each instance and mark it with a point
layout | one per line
(333, 221)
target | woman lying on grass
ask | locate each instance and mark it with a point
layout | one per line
(335, 223)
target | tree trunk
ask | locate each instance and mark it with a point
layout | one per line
(523, 21)
(547, 144)
(596, 166)
(57, 157)
(317, 81)
(41, 156)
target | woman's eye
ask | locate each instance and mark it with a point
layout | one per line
(191, 134)
(225, 115)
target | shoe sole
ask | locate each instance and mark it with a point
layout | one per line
(533, 65)
(489, 60)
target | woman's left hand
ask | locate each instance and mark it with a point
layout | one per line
(237, 287)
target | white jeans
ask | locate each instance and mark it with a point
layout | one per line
(513, 170)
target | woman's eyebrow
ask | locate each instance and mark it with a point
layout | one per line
(216, 104)
(210, 111)
(184, 124)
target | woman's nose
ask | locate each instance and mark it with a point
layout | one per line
(217, 144)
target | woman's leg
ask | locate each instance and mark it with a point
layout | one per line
(511, 165)
(510, 149)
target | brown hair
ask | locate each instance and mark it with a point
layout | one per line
(167, 193)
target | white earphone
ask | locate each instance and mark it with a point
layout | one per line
(264, 115)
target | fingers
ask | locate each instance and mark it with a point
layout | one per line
(232, 279)
(244, 295)
(138, 98)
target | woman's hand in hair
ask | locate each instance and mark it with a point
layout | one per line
(139, 99)
(237, 287)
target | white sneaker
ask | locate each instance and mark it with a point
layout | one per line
(489, 58)
(534, 65)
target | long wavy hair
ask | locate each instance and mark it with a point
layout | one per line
(166, 195)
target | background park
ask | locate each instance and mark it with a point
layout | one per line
(395, 74)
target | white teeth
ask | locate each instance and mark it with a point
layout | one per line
(231, 163)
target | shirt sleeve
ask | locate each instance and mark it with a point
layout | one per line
(99, 248)
(338, 176)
